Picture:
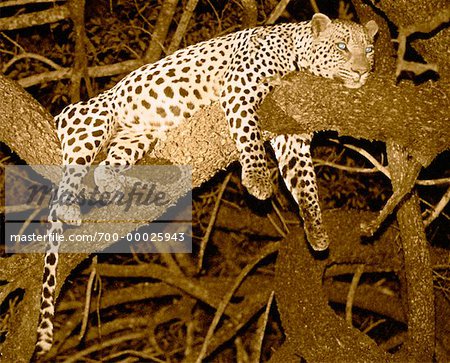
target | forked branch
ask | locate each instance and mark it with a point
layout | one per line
(437, 20)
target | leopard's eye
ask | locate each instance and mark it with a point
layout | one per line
(369, 49)
(341, 46)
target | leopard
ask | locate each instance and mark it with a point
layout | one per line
(235, 71)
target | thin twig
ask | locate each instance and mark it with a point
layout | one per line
(354, 169)
(98, 287)
(17, 208)
(433, 182)
(139, 10)
(29, 220)
(147, 357)
(262, 324)
(374, 325)
(212, 220)
(211, 297)
(280, 216)
(190, 330)
(14, 42)
(427, 212)
(351, 169)
(111, 328)
(351, 293)
(87, 302)
(438, 208)
(32, 56)
(131, 50)
(226, 332)
(369, 157)
(216, 14)
(109, 343)
(241, 353)
(279, 230)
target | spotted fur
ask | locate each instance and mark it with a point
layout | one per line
(295, 163)
(234, 70)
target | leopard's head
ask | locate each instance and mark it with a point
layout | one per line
(342, 49)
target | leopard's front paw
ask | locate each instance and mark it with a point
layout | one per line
(368, 229)
(317, 237)
(258, 183)
(69, 214)
(107, 180)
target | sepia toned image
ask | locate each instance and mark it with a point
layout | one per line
(225, 181)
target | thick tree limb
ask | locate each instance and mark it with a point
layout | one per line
(313, 331)
(378, 111)
(421, 309)
(420, 297)
(26, 127)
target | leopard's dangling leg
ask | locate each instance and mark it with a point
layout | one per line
(296, 167)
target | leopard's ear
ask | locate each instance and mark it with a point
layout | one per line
(319, 23)
(372, 28)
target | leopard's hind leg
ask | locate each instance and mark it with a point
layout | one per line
(125, 149)
(83, 130)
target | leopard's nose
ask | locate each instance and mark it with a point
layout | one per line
(360, 71)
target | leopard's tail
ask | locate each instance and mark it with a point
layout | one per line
(47, 308)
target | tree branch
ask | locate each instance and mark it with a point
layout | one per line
(420, 296)
(250, 15)
(95, 71)
(438, 19)
(313, 330)
(276, 13)
(11, 3)
(159, 34)
(79, 71)
(182, 26)
(52, 15)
